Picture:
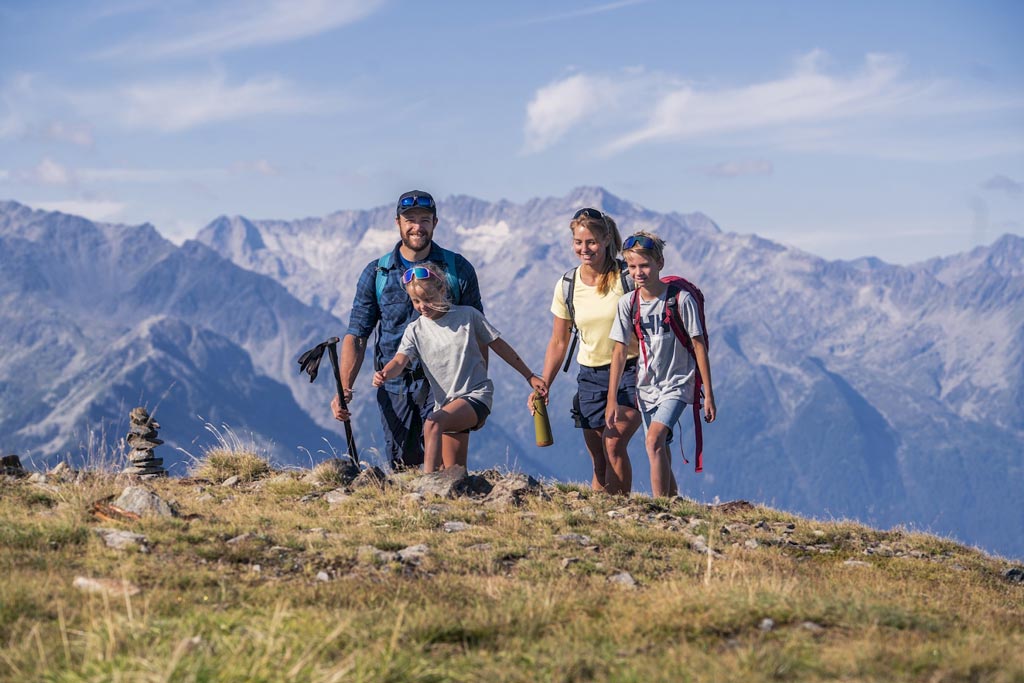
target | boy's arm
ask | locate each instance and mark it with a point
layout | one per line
(700, 352)
(509, 355)
(614, 377)
(393, 369)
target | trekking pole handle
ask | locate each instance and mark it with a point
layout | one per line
(332, 349)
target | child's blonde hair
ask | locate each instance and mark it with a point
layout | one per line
(434, 288)
(656, 252)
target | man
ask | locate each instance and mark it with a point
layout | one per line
(381, 302)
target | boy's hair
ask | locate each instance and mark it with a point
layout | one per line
(656, 252)
(435, 287)
(603, 228)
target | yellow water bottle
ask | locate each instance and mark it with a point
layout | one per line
(541, 424)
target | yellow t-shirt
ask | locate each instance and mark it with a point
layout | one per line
(594, 317)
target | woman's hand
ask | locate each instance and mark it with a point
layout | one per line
(611, 415)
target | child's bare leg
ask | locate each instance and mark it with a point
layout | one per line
(595, 446)
(455, 449)
(619, 475)
(662, 479)
(453, 417)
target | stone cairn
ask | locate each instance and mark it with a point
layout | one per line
(142, 439)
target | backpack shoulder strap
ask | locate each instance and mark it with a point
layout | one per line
(634, 314)
(451, 274)
(568, 290)
(627, 280)
(383, 266)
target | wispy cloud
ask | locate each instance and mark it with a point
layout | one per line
(21, 104)
(52, 173)
(806, 107)
(1002, 183)
(46, 172)
(186, 103)
(259, 167)
(93, 209)
(76, 133)
(735, 169)
(230, 26)
(584, 99)
(807, 95)
(583, 12)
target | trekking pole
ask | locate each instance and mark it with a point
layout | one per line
(309, 362)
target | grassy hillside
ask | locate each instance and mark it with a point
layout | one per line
(288, 578)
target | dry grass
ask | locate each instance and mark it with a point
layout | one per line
(218, 464)
(506, 599)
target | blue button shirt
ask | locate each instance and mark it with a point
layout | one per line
(394, 310)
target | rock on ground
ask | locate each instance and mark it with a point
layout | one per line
(142, 501)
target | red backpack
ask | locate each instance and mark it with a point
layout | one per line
(676, 285)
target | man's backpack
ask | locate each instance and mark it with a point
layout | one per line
(569, 288)
(384, 265)
(676, 285)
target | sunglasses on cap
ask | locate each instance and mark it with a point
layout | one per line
(416, 273)
(589, 213)
(417, 201)
(642, 241)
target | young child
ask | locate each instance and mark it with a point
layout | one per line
(448, 341)
(665, 377)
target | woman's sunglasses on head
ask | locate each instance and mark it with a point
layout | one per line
(589, 213)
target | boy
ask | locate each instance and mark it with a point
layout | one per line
(667, 371)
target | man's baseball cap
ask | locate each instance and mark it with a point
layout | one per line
(415, 199)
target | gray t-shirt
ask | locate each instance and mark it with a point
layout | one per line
(449, 351)
(669, 371)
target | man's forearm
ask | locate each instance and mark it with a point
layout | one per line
(353, 351)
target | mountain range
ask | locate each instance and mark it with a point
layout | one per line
(846, 389)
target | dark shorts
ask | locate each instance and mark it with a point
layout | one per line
(402, 415)
(481, 410)
(592, 394)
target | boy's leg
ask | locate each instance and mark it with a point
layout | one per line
(443, 446)
(661, 467)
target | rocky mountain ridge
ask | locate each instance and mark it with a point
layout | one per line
(853, 389)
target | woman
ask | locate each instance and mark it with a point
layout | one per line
(587, 296)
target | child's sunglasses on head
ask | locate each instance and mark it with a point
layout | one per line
(642, 241)
(416, 273)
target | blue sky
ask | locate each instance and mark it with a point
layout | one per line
(893, 129)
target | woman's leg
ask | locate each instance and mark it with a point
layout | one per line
(619, 476)
(662, 480)
(445, 448)
(595, 446)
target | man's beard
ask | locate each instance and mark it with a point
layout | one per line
(406, 242)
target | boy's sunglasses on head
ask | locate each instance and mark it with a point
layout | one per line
(589, 213)
(417, 200)
(642, 241)
(416, 273)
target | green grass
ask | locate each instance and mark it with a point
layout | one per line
(504, 600)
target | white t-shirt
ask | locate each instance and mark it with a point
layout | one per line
(669, 371)
(449, 351)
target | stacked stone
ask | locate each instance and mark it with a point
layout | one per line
(142, 439)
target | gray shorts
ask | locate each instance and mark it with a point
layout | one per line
(592, 394)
